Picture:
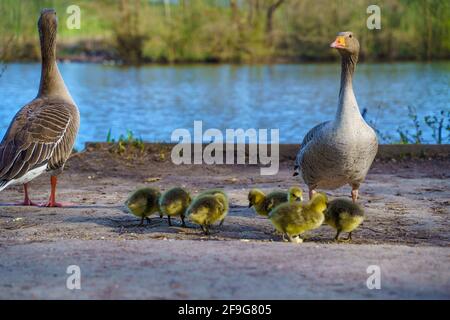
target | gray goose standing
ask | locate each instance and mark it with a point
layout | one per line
(341, 151)
(42, 134)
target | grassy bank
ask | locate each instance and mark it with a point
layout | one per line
(137, 31)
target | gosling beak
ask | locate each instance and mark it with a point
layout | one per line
(339, 43)
(295, 174)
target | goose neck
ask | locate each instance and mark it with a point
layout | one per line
(51, 83)
(348, 107)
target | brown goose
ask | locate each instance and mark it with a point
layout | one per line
(42, 134)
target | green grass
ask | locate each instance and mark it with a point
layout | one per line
(125, 142)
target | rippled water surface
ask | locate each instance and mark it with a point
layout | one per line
(152, 101)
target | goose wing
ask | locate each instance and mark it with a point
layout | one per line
(312, 133)
(33, 136)
(308, 138)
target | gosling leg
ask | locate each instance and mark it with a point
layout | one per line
(221, 222)
(168, 220)
(148, 220)
(183, 224)
(336, 238)
(312, 192)
(142, 222)
(349, 238)
(354, 194)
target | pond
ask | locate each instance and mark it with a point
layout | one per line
(152, 101)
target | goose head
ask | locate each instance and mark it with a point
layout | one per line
(346, 44)
(48, 25)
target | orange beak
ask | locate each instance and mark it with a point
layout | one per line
(339, 43)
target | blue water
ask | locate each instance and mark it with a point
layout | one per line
(152, 101)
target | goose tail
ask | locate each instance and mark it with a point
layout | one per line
(3, 184)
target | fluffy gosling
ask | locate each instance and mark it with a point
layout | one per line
(174, 202)
(214, 192)
(263, 204)
(292, 219)
(143, 203)
(207, 209)
(343, 215)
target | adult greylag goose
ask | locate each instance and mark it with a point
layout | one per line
(42, 134)
(341, 151)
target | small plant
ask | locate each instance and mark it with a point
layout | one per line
(437, 123)
(383, 137)
(108, 137)
(405, 136)
(125, 141)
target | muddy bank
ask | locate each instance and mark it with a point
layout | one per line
(407, 228)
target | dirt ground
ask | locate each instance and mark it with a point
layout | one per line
(406, 233)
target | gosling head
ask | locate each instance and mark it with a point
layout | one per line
(221, 198)
(136, 205)
(295, 194)
(255, 197)
(346, 44)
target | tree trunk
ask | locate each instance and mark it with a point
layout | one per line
(270, 12)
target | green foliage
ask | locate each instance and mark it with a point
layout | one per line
(439, 124)
(127, 142)
(108, 137)
(136, 31)
(405, 136)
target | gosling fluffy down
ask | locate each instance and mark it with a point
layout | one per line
(207, 209)
(263, 203)
(294, 218)
(344, 216)
(143, 203)
(226, 202)
(174, 202)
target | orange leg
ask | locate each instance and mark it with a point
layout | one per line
(52, 200)
(26, 200)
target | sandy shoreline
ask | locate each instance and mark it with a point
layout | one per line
(406, 233)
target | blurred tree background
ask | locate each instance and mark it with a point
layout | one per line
(247, 31)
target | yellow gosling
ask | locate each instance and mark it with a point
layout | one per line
(143, 203)
(174, 203)
(226, 202)
(344, 216)
(207, 209)
(293, 219)
(263, 203)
